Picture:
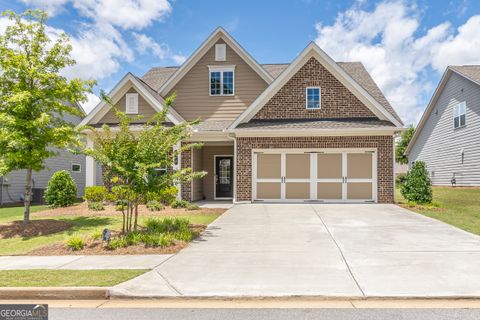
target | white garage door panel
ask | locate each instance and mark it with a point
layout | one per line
(314, 175)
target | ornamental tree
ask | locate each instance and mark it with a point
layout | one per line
(34, 96)
(417, 186)
(402, 145)
(141, 161)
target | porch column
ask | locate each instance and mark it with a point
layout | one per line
(90, 167)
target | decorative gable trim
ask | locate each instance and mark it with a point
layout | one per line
(312, 50)
(218, 34)
(155, 100)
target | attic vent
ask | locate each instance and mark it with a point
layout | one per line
(220, 52)
(131, 103)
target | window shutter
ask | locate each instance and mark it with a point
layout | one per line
(131, 106)
(220, 52)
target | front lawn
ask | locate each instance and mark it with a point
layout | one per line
(458, 206)
(65, 278)
(84, 223)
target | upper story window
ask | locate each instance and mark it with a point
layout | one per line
(222, 80)
(313, 97)
(131, 103)
(459, 115)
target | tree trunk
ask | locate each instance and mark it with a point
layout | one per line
(136, 217)
(130, 206)
(27, 196)
(123, 219)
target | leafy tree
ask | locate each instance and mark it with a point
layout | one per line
(61, 190)
(34, 96)
(402, 145)
(133, 159)
(417, 186)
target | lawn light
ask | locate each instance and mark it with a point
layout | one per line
(106, 234)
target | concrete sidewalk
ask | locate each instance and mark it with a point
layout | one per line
(82, 262)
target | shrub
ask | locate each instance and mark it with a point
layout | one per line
(154, 205)
(179, 204)
(167, 195)
(97, 235)
(185, 235)
(193, 206)
(115, 243)
(166, 225)
(95, 193)
(157, 240)
(75, 243)
(134, 238)
(95, 206)
(61, 190)
(121, 205)
(400, 178)
(417, 186)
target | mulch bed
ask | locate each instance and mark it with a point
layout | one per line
(33, 228)
(81, 209)
(97, 247)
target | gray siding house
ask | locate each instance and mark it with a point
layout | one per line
(447, 138)
(12, 185)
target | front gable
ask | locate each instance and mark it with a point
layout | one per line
(193, 89)
(336, 100)
(144, 109)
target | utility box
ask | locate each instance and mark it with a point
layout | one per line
(37, 196)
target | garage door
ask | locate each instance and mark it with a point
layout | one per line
(314, 175)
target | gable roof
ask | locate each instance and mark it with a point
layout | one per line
(218, 34)
(312, 50)
(470, 72)
(148, 93)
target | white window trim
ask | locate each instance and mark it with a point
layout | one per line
(76, 164)
(126, 102)
(319, 98)
(220, 69)
(456, 106)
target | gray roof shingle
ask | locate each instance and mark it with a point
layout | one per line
(157, 76)
(470, 71)
(341, 123)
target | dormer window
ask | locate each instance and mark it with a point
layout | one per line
(222, 80)
(131, 103)
(313, 97)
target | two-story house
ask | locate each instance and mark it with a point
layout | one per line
(311, 130)
(447, 136)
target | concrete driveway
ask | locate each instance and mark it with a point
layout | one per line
(336, 250)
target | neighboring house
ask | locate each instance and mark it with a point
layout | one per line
(447, 136)
(311, 130)
(12, 186)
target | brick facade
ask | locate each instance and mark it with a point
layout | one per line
(383, 144)
(186, 187)
(336, 100)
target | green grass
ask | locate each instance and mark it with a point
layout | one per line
(65, 278)
(16, 213)
(81, 225)
(458, 207)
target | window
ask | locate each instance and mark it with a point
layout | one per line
(76, 168)
(459, 115)
(313, 97)
(222, 81)
(220, 52)
(131, 103)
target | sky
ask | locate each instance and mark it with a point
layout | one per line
(405, 45)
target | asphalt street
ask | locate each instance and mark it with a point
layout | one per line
(264, 314)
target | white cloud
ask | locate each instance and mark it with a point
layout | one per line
(389, 43)
(52, 7)
(179, 58)
(92, 101)
(145, 44)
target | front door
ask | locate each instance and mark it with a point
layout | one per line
(223, 177)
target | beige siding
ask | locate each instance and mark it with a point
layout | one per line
(193, 98)
(197, 184)
(144, 108)
(209, 153)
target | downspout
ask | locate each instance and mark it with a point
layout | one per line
(232, 137)
(1, 190)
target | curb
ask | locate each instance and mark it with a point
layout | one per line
(54, 293)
